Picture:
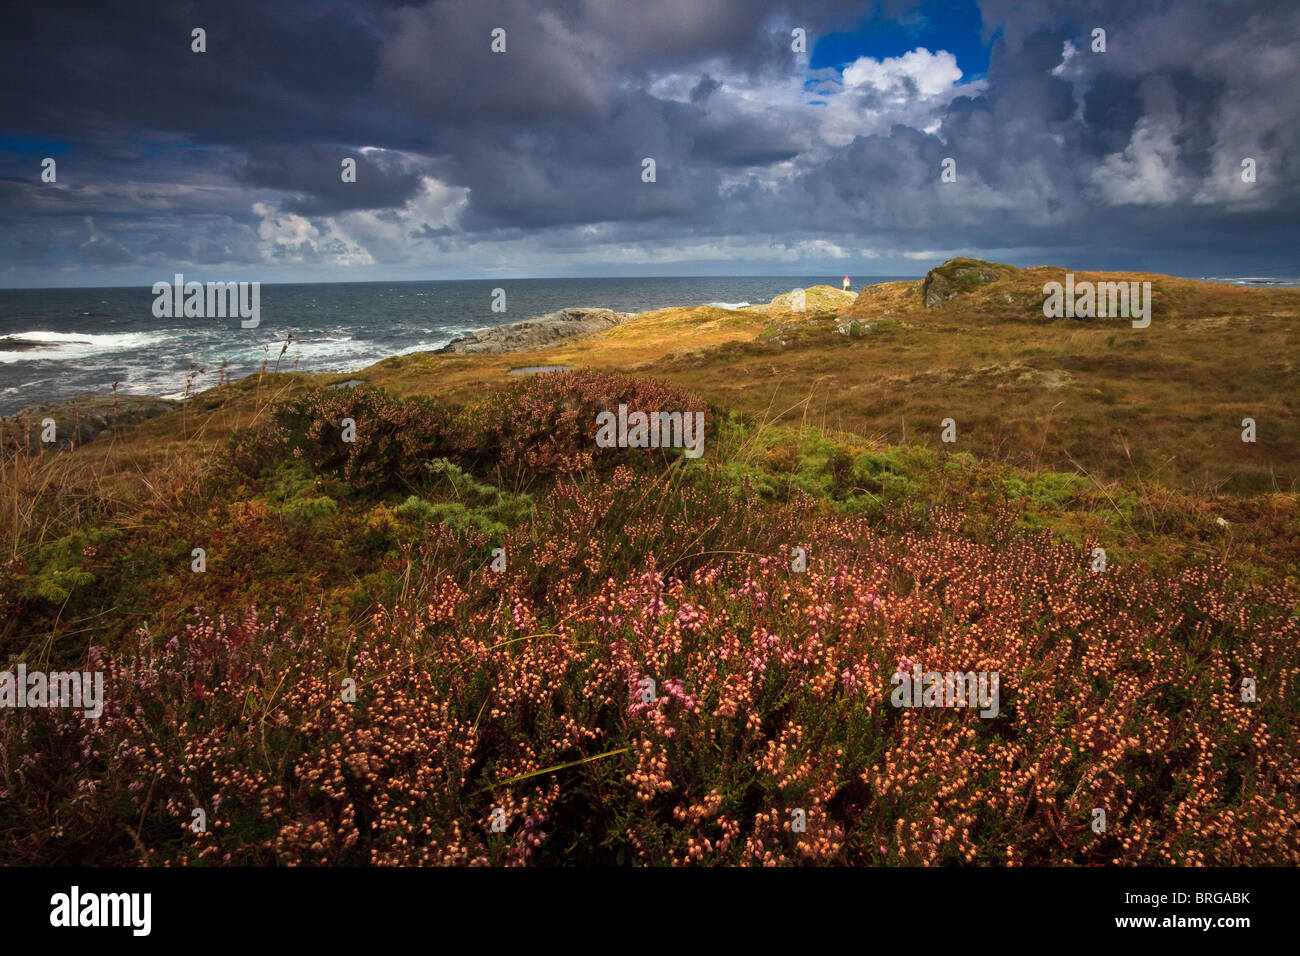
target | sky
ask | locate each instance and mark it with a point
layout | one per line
(771, 156)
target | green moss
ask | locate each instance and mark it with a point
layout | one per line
(59, 569)
(950, 268)
(289, 479)
(1046, 489)
(291, 493)
(464, 520)
(307, 509)
(477, 506)
(416, 510)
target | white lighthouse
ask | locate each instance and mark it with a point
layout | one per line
(846, 283)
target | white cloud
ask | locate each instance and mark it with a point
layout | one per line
(435, 204)
(902, 77)
(296, 239)
(1147, 171)
(1066, 68)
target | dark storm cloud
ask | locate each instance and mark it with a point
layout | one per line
(316, 173)
(736, 143)
(702, 90)
(1111, 110)
(233, 156)
(272, 71)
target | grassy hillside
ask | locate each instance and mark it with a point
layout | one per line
(367, 569)
(1159, 404)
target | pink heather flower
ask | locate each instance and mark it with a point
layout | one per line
(849, 680)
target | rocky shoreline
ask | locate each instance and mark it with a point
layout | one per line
(88, 418)
(536, 333)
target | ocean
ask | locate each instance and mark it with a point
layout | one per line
(93, 339)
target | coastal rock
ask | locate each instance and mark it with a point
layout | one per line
(9, 344)
(83, 419)
(818, 298)
(853, 327)
(956, 276)
(536, 333)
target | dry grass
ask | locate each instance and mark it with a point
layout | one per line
(1163, 403)
(520, 690)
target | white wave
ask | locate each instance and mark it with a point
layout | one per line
(317, 353)
(141, 374)
(1253, 280)
(21, 385)
(323, 349)
(426, 346)
(67, 346)
(728, 305)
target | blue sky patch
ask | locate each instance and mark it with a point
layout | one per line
(952, 25)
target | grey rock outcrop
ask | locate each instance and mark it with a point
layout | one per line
(536, 333)
(954, 276)
(83, 419)
(8, 344)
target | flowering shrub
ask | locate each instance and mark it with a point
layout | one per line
(531, 429)
(393, 437)
(650, 677)
(485, 692)
(546, 424)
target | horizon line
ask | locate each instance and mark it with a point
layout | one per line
(885, 277)
(895, 277)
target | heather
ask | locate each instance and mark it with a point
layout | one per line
(545, 428)
(523, 690)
